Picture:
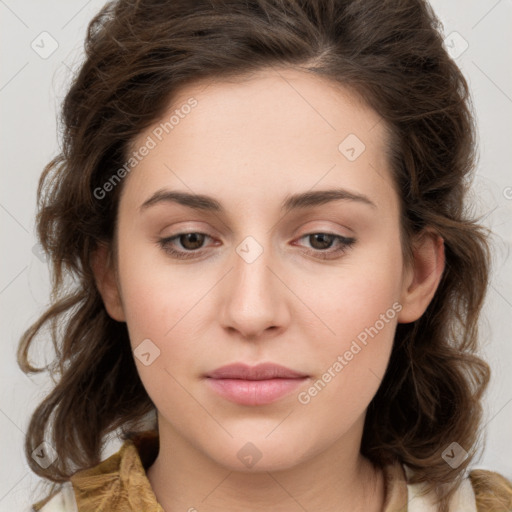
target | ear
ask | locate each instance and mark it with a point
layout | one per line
(106, 281)
(422, 277)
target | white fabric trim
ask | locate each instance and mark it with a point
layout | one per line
(463, 499)
(63, 501)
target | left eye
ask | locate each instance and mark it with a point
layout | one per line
(190, 241)
(324, 241)
(193, 241)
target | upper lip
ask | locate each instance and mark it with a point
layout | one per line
(261, 371)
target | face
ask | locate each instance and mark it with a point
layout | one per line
(294, 258)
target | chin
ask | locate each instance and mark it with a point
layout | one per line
(259, 455)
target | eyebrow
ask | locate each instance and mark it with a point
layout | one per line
(294, 202)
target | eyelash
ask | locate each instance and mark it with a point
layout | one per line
(345, 244)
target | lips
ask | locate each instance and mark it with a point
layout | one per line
(257, 385)
(263, 371)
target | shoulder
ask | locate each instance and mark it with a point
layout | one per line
(479, 491)
(493, 492)
(117, 483)
(62, 501)
(420, 499)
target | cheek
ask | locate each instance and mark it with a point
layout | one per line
(155, 295)
(159, 309)
(360, 307)
(357, 295)
(350, 369)
(165, 309)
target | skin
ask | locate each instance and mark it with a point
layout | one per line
(249, 144)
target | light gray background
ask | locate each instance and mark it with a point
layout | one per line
(31, 89)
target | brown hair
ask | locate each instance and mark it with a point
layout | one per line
(390, 52)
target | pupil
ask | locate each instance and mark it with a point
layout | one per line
(195, 238)
(324, 238)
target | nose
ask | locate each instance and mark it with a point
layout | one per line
(255, 294)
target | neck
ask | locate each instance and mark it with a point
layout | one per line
(338, 479)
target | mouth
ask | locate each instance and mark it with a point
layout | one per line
(257, 385)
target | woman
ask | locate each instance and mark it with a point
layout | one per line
(262, 207)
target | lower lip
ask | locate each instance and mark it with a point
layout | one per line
(254, 392)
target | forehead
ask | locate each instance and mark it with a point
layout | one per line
(275, 131)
